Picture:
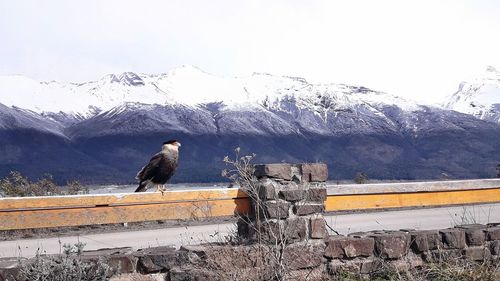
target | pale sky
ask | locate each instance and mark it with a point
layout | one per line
(415, 49)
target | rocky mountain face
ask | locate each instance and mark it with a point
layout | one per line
(104, 131)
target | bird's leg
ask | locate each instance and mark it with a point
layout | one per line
(161, 188)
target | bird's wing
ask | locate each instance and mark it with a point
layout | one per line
(150, 169)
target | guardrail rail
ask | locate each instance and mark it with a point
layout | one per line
(74, 210)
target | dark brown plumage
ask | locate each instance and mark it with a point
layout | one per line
(160, 168)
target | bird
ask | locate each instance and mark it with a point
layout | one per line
(160, 168)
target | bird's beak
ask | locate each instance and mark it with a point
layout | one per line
(178, 144)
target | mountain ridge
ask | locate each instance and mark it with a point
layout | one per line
(103, 131)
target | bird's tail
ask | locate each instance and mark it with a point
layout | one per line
(142, 186)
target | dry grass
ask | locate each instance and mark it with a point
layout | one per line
(67, 267)
(17, 185)
(457, 270)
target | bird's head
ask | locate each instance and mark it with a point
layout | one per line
(171, 145)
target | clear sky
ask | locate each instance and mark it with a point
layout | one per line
(417, 49)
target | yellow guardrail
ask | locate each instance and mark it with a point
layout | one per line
(59, 211)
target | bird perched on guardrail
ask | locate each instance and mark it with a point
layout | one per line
(160, 168)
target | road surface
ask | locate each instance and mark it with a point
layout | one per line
(432, 218)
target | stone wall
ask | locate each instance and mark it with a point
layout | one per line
(287, 204)
(285, 236)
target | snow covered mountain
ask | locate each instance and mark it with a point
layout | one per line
(108, 128)
(479, 97)
(185, 86)
(189, 100)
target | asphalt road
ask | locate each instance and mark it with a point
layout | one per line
(343, 223)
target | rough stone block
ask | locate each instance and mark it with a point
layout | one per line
(406, 263)
(283, 231)
(267, 189)
(299, 256)
(318, 227)
(425, 240)
(314, 172)
(158, 259)
(494, 247)
(316, 195)
(293, 195)
(419, 241)
(370, 265)
(453, 238)
(277, 209)
(350, 247)
(477, 253)
(434, 240)
(474, 237)
(442, 255)
(295, 230)
(337, 266)
(391, 245)
(280, 171)
(334, 248)
(270, 231)
(474, 234)
(122, 263)
(226, 256)
(492, 233)
(121, 260)
(302, 209)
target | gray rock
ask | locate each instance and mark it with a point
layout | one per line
(425, 240)
(277, 209)
(370, 265)
(316, 195)
(494, 247)
(300, 256)
(267, 189)
(477, 253)
(293, 195)
(474, 234)
(493, 233)
(302, 209)
(159, 259)
(442, 255)
(314, 172)
(318, 227)
(453, 238)
(348, 247)
(391, 245)
(280, 171)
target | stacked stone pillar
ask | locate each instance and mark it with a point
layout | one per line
(287, 204)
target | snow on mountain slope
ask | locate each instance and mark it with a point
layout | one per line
(187, 86)
(479, 97)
